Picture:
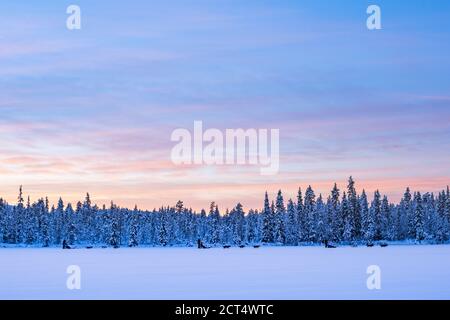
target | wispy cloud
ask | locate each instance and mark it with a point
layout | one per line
(93, 110)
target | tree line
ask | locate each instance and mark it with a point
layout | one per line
(344, 217)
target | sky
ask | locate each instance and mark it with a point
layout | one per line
(92, 110)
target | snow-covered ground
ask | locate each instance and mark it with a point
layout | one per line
(407, 272)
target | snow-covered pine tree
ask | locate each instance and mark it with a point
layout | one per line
(253, 233)
(302, 234)
(367, 219)
(347, 235)
(292, 225)
(273, 218)
(442, 223)
(335, 216)
(71, 225)
(376, 212)
(225, 227)
(214, 224)
(58, 222)
(30, 226)
(392, 223)
(431, 217)
(280, 216)
(163, 237)
(191, 227)
(237, 222)
(309, 207)
(447, 206)
(267, 230)
(40, 210)
(409, 214)
(114, 236)
(385, 217)
(355, 210)
(401, 222)
(419, 232)
(202, 225)
(2, 218)
(134, 224)
(19, 212)
(321, 213)
(9, 235)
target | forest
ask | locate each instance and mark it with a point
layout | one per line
(344, 217)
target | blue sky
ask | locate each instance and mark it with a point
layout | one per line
(93, 109)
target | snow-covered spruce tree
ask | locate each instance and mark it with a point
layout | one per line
(354, 209)
(347, 235)
(259, 226)
(335, 216)
(71, 231)
(442, 223)
(152, 225)
(201, 225)
(430, 216)
(385, 217)
(174, 227)
(447, 208)
(267, 229)
(301, 217)
(309, 207)
(273, 219)
(2, 218)
(79, 223)
(292, 225)
(248, 227)
(9, 234)
(233, 222)
(401, 222)
(376, 212)
(190, 227)
(367, 219)
(45, 229)
(177, 227)
(409, 213)
(225, 228)
(41, 213)
(162, 228)
(404, 219)
(134, 223)
(59, 223)
(253, 227)
(13, 222)
(85, 214)
(30, 227)
(329, 216)
(280, 216)
(4, 208)
(114, 237)
(321, 213)
(419, 232)
(19, 212)
(214, 225)
(392, 233)
(237, 224)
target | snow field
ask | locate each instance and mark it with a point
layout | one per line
(407, 272)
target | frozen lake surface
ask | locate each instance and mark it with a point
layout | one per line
(407, 272)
